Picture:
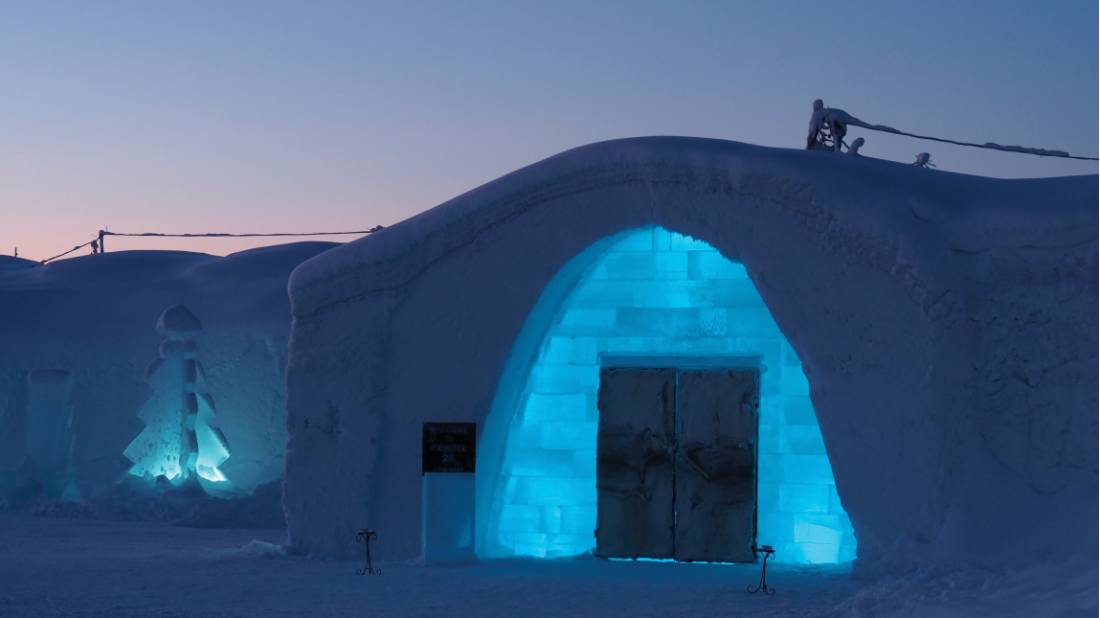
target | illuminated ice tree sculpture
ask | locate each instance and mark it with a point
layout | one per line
(181, 439)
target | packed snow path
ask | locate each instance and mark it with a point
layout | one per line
(61, 567)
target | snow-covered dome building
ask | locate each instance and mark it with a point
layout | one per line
(688, 348)
(104, 358)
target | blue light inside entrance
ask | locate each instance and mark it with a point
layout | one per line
(657, 293)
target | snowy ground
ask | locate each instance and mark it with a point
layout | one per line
(63, 567)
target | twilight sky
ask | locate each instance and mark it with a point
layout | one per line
(287, 116)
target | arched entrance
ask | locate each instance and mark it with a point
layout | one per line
(647, 298)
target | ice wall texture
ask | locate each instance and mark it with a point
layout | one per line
(660, 294)
(91, 321)
(945, 323)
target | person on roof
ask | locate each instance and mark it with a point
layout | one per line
(828, 127)
(815, 138)
(923, 160)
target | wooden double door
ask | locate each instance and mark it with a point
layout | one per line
(676, 463)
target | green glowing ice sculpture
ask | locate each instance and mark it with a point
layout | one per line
(181, 438)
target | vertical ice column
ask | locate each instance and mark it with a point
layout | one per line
(49, 437)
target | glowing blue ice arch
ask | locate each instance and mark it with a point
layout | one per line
(657, 293)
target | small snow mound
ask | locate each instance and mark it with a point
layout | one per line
(1028, 590)
(260, 549)
(9, 262)
(262, 509)
(260, 262)
(122, 269)
(178, 320)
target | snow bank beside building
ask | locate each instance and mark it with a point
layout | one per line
(945, 323)
(77, 336)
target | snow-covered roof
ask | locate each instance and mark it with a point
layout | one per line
(884, 189)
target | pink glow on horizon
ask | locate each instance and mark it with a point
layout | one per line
(260, 117)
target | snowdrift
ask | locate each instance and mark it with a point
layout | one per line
(946, 325)
(77, 336)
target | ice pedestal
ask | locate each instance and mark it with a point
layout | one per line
(447, 507)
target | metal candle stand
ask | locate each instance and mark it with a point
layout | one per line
(365, 537)
(768, 552)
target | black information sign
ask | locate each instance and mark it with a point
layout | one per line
(448, 447)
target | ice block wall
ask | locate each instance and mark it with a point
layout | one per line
(659, 293)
